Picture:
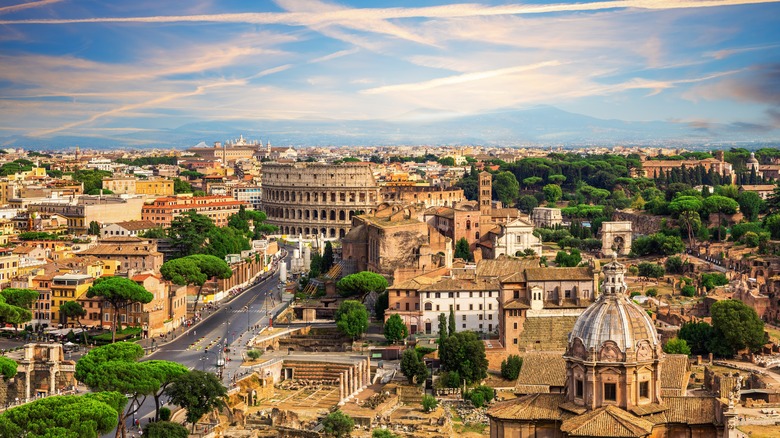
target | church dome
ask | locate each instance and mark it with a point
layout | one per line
(614, 318)
(613, 321)
(752, 159)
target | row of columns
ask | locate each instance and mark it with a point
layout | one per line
(354, 379)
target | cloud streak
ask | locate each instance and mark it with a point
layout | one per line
(23, 6)
(340, 15)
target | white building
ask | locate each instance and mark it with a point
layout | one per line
(511, 239)
(475, 303)
(129, 228)
(546, 217)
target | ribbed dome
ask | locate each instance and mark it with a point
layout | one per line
(614, 318)
(752, 158)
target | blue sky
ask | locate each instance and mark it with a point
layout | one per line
(105, 68)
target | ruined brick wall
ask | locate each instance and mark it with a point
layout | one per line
(641, 223)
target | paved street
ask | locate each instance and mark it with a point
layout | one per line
(199, 346)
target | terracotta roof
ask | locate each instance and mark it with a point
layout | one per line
(558, 274)
(119, 250)
(23, 250)
(530, 407)
(608, 421)
(136, 225)
(542, 369)
(516, 304)
(675, 373)
(414, 283)
(758, 187)
(453, 285)
(689, 410)
(504, 212)
(504, 266)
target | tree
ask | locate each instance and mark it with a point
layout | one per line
(692, 222)
(451, 328)
(8, 368)
(382, 303)
(165, 372)
(572, 259)
(651, 270)
(527, 203)
(480, 395)
(429, 403)
(506, 187)
(688, 291)
(338, 424)
(510, 367)
(361, 283)
(165, 429)
(15, 305)
(198, 393)
(750, 204)
(531, 181)
(73, 310)
(383, 433)
(738, 327)
(697, 336)
(180, 186)
(443, 332)
(413, 367)
(225, 240)
(658, 243)
(120, 292)
(64, 416)
(188, 232)
(327, 257)
(352, 318)
(91, 178)
(463, 250)
(195, 270)
(552, 192)
(675, 265)
(114, 367)
(447, 161)
(556, 179)
(94, 228)
(464, 352)
(395, 330)
(721, 205)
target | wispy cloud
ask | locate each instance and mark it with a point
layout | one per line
(458, 79)
(23, 6)
(335, 14)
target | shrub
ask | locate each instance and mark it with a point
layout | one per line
(481, 395)
(510, 367)
(652, 292)
(634, 294)
(254, 354)
(165, 414)
(688, 291)
(429, 403)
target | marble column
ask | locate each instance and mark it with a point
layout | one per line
(351, 382)
(368, 371)
(341, 386)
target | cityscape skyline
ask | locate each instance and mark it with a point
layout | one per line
(104, 71)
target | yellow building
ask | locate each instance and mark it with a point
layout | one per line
(132, 186)
(67, 287)
(7, 230)
(9, 267)
(156, 187)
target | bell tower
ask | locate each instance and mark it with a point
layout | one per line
(485, 193)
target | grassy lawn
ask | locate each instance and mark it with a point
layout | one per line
(761, 431)
(460, 428)
(773, 333)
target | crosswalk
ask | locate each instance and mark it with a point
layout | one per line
(251, 311)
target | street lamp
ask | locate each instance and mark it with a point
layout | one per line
(246, 309)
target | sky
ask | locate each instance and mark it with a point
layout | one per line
(106, 68)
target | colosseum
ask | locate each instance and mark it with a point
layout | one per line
(314, 198)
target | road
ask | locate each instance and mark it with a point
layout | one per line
(200, 347)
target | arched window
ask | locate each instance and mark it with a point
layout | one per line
(468, 224)
(428, 306)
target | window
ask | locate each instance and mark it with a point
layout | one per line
(437, 307)
(578, 388)
(515, 326)
(490, 316)
(610, 391)
(471, 307)
(480, 307)
(428, 306)
(457, 307)
(568, 293)
(464, 325)
(490, 307)
(514, 341)
(451, 307)
(480, 317)
(644, 389)
(463, 317)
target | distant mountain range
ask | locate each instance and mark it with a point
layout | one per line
(540, 126)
